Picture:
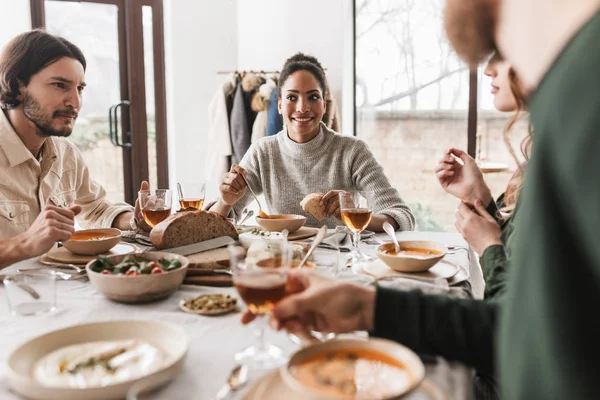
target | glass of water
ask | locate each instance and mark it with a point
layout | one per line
(31, 293)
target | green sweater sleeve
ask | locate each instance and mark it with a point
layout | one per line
(457, 329)
(494, 266)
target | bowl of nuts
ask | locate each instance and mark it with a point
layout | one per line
(209, 304)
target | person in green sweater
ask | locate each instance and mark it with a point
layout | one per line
(548, 347)
(486, 224)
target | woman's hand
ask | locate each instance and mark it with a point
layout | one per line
(462, 179)
(477, 226)
(233, 187)
(331, 204)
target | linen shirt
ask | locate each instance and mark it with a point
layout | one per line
(28, 184)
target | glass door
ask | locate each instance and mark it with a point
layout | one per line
(121, 129)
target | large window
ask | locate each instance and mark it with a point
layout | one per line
(412, 103)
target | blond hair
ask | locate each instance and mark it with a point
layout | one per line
(516, 182)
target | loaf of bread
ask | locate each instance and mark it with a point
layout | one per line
(311, 204)
(190, 227)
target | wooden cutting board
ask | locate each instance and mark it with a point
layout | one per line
(209, 280)
(303, 233)
(216, 258)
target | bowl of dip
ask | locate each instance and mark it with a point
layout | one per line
(94, 361)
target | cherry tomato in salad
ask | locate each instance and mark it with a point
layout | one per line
(132, 273)
(105, 272)
(156, 271)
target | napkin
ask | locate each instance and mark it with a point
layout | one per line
(340, 239)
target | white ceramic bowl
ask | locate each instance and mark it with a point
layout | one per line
(140, 288)
(247, 238)
(404, 355)
(89, 242)
(277, 223)
(171, 339)
(408, 263)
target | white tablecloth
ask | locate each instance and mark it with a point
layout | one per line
(214, 340)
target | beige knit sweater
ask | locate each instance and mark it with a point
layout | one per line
(285, 171)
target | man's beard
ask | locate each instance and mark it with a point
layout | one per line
(470, 26)
(43, 122)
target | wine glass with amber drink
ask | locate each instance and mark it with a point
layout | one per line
(261, 283)
(191, 195)
(155, 205)
(357, 210)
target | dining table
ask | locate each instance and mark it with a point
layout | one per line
(215, 339)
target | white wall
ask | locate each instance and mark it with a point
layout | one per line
(15, 18)
(200, 39)
(203, 36)
(270, 31)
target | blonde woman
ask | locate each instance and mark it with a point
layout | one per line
(487, 225)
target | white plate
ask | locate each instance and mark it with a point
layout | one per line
(171, 339)
(272, 387)
(443, 269)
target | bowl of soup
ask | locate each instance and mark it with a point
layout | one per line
(137, 278)
(89, 242)
(356, 368)
(277, 223)
(414, 255)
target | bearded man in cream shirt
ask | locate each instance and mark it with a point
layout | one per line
(41, 86)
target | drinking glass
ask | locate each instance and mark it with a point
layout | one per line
(31, 293)
(191, 195)
(155, 205)
(261, 282)
(325, 262)
(357, 210)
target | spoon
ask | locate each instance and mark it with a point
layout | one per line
(261, 213)
(389, 229)
(236, 379)
(320, 235)
(23, 286)
(71, 267)
(180, 191)
(248, 215)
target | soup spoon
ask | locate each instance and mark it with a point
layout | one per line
(320, 235)
(389, 229)
(261, 213)
(236, 379)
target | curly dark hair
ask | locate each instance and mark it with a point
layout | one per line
(302, 62)
(26, 55)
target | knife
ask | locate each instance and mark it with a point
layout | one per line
(201, 246)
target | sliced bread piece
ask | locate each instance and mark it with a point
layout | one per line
(311, 205)
(190, 227)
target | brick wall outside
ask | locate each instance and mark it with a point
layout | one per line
(409, 145)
